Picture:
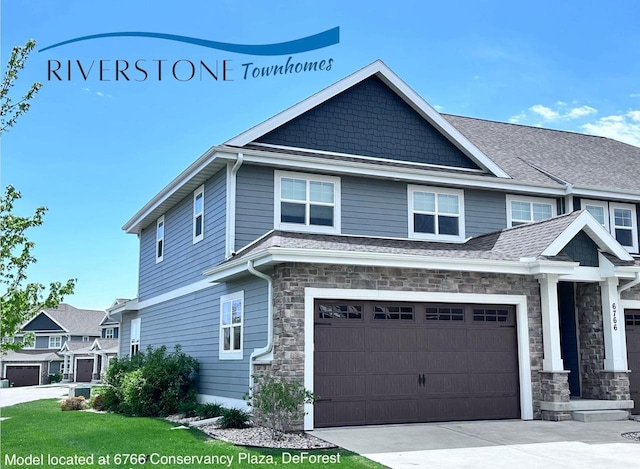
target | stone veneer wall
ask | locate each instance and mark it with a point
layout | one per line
(589, 311)
(290, 280)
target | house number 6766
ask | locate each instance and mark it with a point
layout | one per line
(615, 317)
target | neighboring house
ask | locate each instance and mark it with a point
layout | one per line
(405, 265)
(74, 342)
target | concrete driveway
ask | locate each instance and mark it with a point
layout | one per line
(495, 444)
(11, 396)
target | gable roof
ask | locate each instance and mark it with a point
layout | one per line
(536, 155)
(73, 320)
(381, 71)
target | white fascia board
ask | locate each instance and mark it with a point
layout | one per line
(277, 255)
(392, 80)
(213, 153)
(409, 174)
(127, 306)
(594, 193)
(47, 315)
(585, 221)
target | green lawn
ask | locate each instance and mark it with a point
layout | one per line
(41, 429)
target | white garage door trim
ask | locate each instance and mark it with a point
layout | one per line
(522, 328)
(39, 365)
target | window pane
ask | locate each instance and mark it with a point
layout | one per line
(293, 189)
(321, 191)
(541, 212)
(159, 253)
(226, 332)
(321, 215)
(597, 212)
(236, 338)
(624, 237)
(622, 217)
(424, 201)
(292, 213)
(160, 232)
(199, 225)
(226, 313)
(424, 223)
(448, 204)
(520, 211)
(198, 203)
(236, 309)
(448, 225)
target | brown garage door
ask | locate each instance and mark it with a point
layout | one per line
(632, 326)
(380, 363)
(23, 375)
(84, 371)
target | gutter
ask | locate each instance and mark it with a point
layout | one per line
(266, 352)
(630, 284)
(231, 205)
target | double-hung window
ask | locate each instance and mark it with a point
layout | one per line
(160, 239)
(108, 333)
(522, 210)
(305, 202)
(620, 219)
(135, 336)
(231, 326)
(55, 341)
(198, 214)
(436, 214)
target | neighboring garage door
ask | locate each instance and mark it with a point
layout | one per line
(632, 326)
(378, 363)
(84, 371)
(23, 375)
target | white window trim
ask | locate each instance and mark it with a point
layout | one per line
(598, 203)
(135, 340)
(231, 354)
(634, 224)
(158, 239)
(196, 193)
(337, 213)
(29, 347)
(106, 333)
(531, 200)
(55, 337)
(412, 189)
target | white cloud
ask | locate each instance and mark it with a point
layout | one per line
(625, 128)
(581, 111)
(518, 118)
(634, 95)
(100, 93)
(547, 113)
(438, 108)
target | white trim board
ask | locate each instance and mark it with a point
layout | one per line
(630, 304)
(39, 365)
(177, 293)
(522, 330)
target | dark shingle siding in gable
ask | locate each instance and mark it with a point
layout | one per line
(582, 249)
(369, 120)
(42, 323)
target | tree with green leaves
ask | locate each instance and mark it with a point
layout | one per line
(20, 300)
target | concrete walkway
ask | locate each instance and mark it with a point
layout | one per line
(11, 396)
(495, 445)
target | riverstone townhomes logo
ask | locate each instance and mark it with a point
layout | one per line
(268, 60)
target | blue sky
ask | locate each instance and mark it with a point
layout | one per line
(95, 151)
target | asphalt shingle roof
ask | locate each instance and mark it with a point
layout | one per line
(77, 321)
(510, 244)
(585, 161)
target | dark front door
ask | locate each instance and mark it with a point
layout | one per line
(378, 363)
(84, 370)
(569, 335)
(23, 375)
(632, 326)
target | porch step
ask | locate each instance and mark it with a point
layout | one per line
(599, 415)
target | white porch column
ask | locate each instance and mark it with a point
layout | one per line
(103, 365)
(550, 323)
(71, 367)
(65, 360)
(95, 363)
(615, 344)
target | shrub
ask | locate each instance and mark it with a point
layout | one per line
(151, 384)
(55, 377)
(234, 418)
(97, 398)
(189, 409)
(209, 411)
(74, 403)
(278, 403)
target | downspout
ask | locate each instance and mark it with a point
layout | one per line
(630, 284)
(231, 205)
(267, 350)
